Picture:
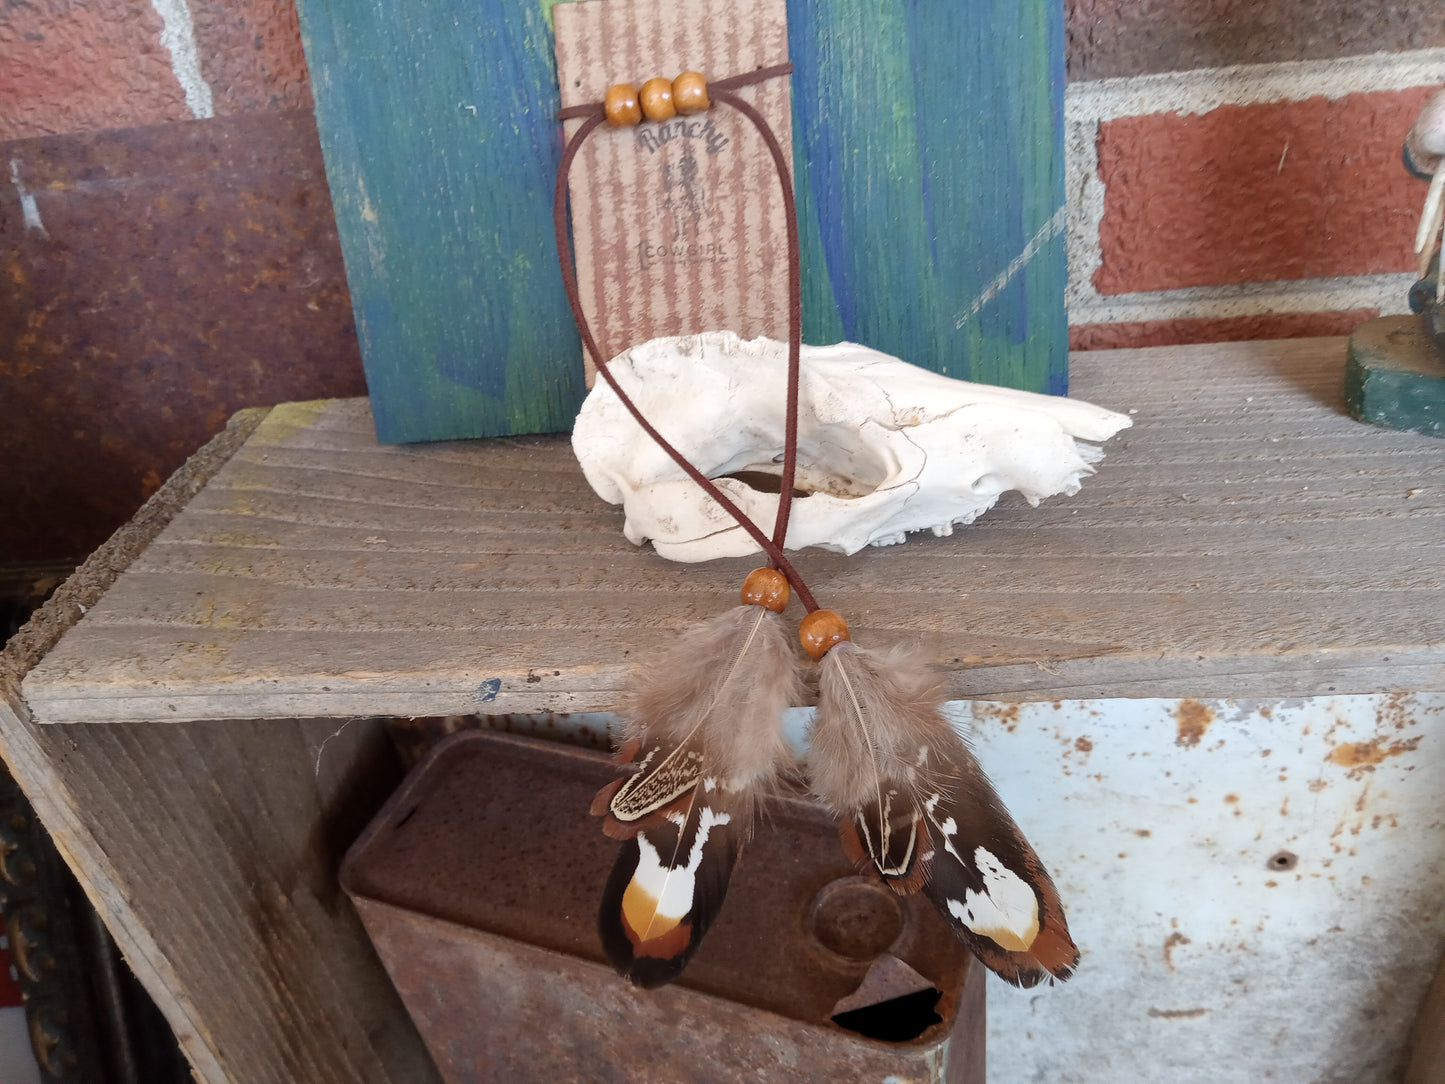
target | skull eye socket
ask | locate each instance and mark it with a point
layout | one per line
(832, 460)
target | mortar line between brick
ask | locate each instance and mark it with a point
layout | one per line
(1203, 89)
(178, 35)
(1385, 292)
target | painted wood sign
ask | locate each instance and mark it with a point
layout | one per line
(679, 226)
(928, 164)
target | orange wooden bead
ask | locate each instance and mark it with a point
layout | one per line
(656, 98)
(689, 94)
(821, 630)
(621, 106)
(766, 587)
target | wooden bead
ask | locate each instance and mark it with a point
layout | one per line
(621, 106)
(766, 587)
(689, 94)
(656, 98)
(821, 630)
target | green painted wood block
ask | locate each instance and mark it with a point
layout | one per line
(1395, 375)
(928, 140)
(928, 157)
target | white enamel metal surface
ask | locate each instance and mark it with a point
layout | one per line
(1258, 889)
(884, 447)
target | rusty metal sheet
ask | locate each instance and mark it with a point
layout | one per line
(479, 884)
(157, 279)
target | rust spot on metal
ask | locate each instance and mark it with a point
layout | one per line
(1178, 1014)
(1173, 941)
(1394, 711)
(1083, 745)
(1193, 719)
(1317, 785)
(1283, 860)
(1143, 833)
(1007, 714)
(1362, 756)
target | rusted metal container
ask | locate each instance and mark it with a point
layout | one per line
(479, 885)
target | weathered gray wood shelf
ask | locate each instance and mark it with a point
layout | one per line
(1245, 539)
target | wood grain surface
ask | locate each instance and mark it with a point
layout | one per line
(210, 852)
(1244, 539)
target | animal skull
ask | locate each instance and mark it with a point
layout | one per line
(884, 447)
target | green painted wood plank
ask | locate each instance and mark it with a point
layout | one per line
(928, 149)
(929, 136)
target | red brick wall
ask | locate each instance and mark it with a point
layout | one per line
(1256, 193)
(80, 67)
(1235, 165)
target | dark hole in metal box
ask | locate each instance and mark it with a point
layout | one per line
(479, 883)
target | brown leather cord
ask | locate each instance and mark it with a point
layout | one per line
(721, 91)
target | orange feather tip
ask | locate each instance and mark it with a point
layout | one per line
(1055, 952)
(1052, 958)
(645, 959)
(665, 890)
(657, 937)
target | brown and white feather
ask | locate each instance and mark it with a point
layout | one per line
(704, 723)
(917, 811)
(738, 668)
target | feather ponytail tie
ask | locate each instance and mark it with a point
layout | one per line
(913, 804)
(917, 812)
(705, 727)
(706, 724)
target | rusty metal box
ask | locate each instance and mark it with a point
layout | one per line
(479, 884)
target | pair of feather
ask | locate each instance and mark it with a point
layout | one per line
(914, 807)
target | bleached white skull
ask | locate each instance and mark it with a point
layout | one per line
(884, 447)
